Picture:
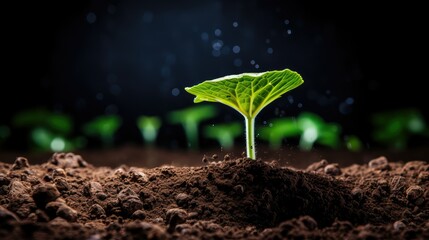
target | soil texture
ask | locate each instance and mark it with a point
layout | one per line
(67, 197)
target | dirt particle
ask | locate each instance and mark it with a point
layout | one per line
(379, 163)
(205, 159)
(129, 201)
(214, 156)
(226, 157)
(314, 167)
(45, 193)
(139, 214)
(67, 213)
(332, 169)
(182, 199)
(62, 185)
(97, 211)
(145, 230)
(239, 189)
(58, 172)
(308, 222)
(175, 216)
(399, 226)
(20, 163)
(6, 215)
(397, 183)
(414, 192)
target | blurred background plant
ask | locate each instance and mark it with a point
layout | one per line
(47, 131)
(396, 129)
(149, 128)
(190, 119)
(104, 128)
(225, 134)
(4, 133)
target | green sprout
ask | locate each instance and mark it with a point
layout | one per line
(278, 129)
(224, 133)
(190, 118)
(353, 143)
(149, 127)
(103, 127)
(48, 130)
(315, 129)
(248, 93)
(395, 128)
(4, 133)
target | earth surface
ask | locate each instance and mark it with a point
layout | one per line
(137, 193)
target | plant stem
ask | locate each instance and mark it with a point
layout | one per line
(250, 137)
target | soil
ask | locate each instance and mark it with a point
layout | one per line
(88, 195)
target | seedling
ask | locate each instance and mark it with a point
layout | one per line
(278, 129)
(190, 118)
(314, 128)
(4, 133)
(103, 127)
(48, 131)
(149, 127)
(395, 128)
(248, 93)
(224, 133)
(353, 143)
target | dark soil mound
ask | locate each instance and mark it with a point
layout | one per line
(68, 198)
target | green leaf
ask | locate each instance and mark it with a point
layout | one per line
(248, 93)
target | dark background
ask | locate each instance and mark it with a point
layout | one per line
(90, 58)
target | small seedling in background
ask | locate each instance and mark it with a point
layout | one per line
(315, 129)
(225, 134)
(353, 143)
(278, 129)
(248, 93)
(103, 127)
(149, 127)
(190, 118)
(48, 131)
(395, 128)
(4, 133)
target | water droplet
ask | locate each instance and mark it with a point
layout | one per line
(217, 44)
(218, 32)
(238, 62)
(91, 17)
(235, 24)
(147, 17)
(216, 53)
(252, 62)
(175, 92)
(236, 49)
(270, 50)
(204, 36)
(257, 66)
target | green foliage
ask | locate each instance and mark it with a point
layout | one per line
(395, 128)
(248, 93)
(315, 129)
(308, 127)
(190, 118)
(4, 133)
(48, 131)
(278, 129)
(103, 127)
(353, 143)
(149, 127)
(225, 134)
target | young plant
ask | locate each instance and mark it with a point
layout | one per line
(103, 127)
(149, 127)
(190, 118)
(224, 133)
(395, 128)
(278, 129)
(315, 129)
(248, 93)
